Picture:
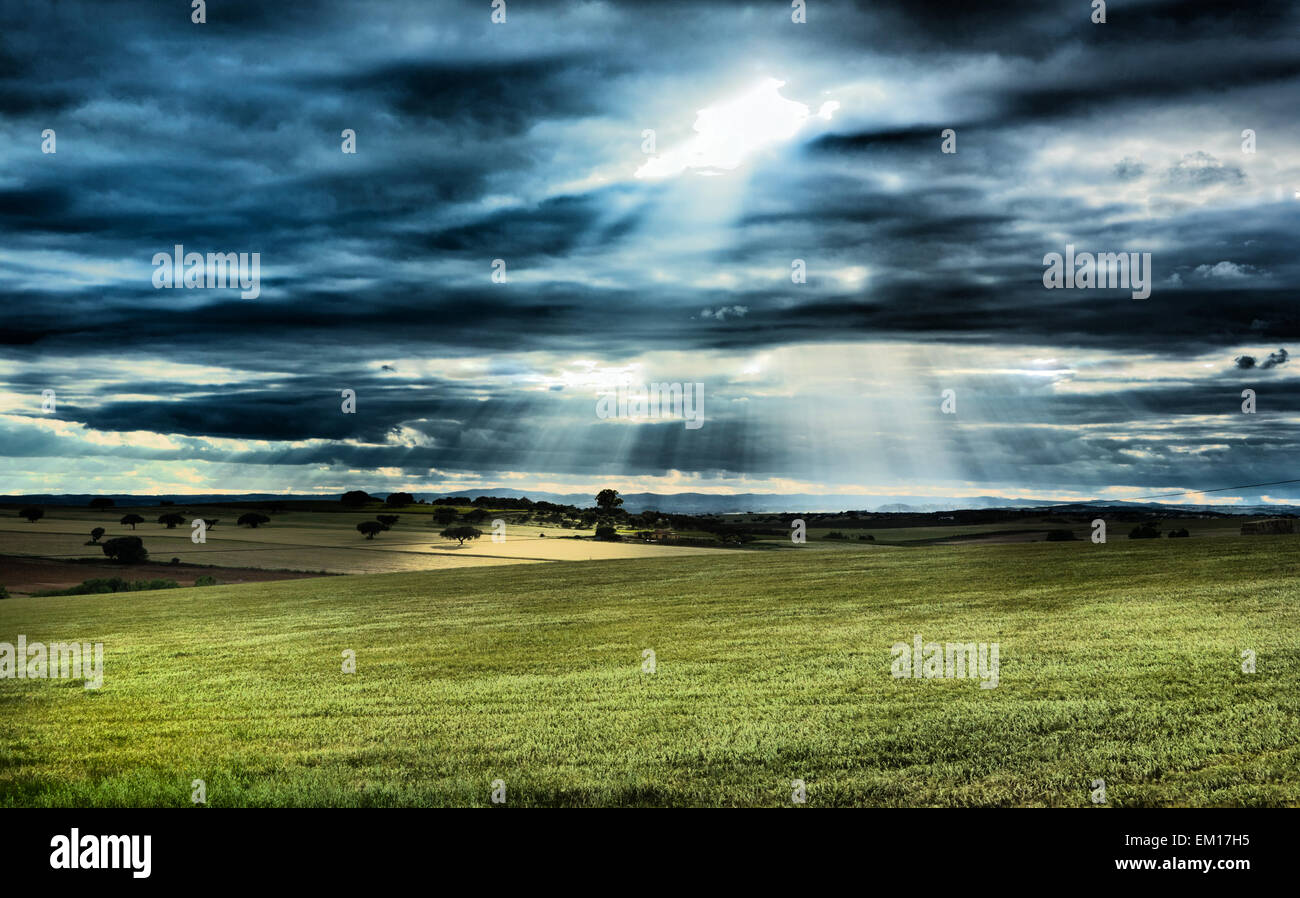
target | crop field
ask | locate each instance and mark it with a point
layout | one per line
(677, 678)
(311, 541)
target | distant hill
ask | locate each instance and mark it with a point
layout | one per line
(690, 503)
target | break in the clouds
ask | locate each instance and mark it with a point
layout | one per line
(594, 194)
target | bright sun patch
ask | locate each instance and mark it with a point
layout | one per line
(728, 133)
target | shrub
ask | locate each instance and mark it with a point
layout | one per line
(1181, 533)
(126, 549)
(206, 580)
(4, 593)
(606, 532)
(101, 585)
(835, 534)
(1145, 531)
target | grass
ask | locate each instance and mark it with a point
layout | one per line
(1120, 662)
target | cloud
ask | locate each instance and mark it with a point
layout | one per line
(1272, 361)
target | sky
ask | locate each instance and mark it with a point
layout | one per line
(590, 195)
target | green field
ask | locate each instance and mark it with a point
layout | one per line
(1120, 662)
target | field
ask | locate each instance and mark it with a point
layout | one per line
(296, 541)
(1120, 662)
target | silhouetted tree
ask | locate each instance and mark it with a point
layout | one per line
(126, 550)
(355, 498)
(461, 532)
(131, 520)
(252, 519)
(388, 520)
(171, 519)
(96, 534)
(370, 528)
(609, 499)
(398, 500)
(444, 515)
(1145, 531)
(32, 514)
(211, 522)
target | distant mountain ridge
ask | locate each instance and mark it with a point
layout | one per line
(685, 503)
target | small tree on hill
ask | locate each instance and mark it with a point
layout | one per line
(355, 498)
(252, 519)
(609, 499)
(131, 520)
(32, 514)
(461, 532)
(126, 550)
(171, 519)
(96, 534)
(370, 528)
(399, 500)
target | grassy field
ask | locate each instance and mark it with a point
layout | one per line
(1120, 662)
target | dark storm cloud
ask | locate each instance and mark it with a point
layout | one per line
(517, 142)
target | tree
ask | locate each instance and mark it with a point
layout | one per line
(444, 515)
(609, 499)
(171, 519)
(461, 532)
(32, 514)
(355, 498)
(252, 519)
(209, 523)
(131, 520)
(370, 528)
(398, 500)
(101, 502)
(96, 534)
(126, 550)
(388, 520)
(1145, 531)
(476, 515)
(606, 532)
